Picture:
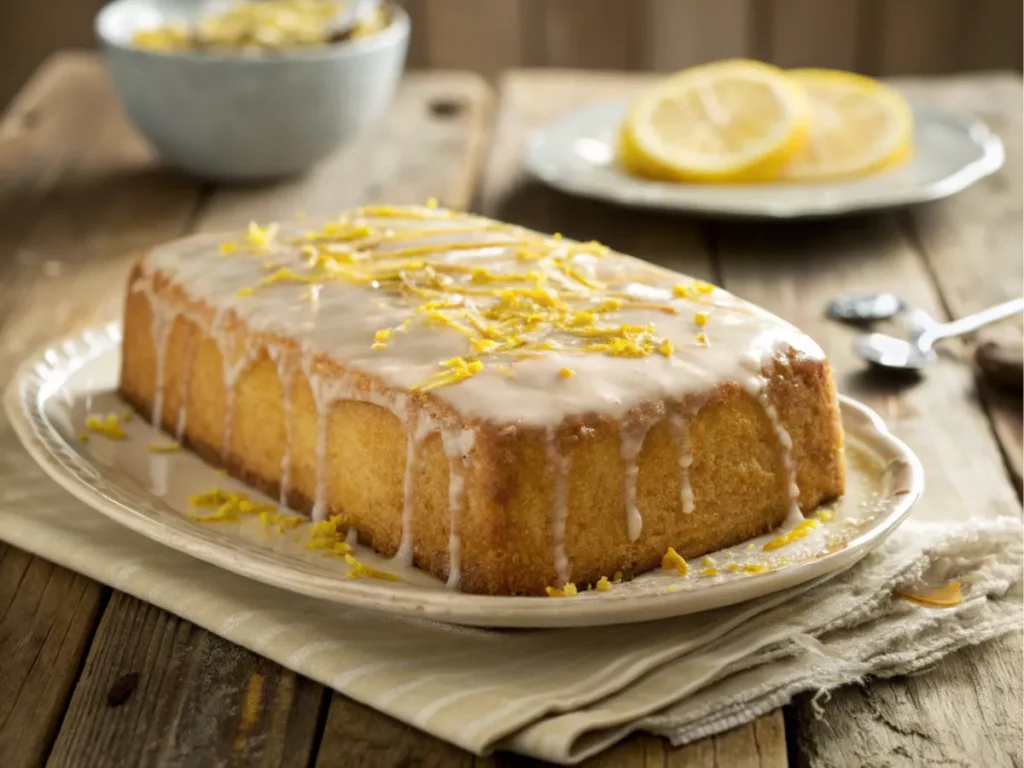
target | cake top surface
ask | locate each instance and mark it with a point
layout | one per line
(500, 322)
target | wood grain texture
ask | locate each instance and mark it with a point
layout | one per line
(355, 735)
(47, 616)
(598, 34)
(810, 33)
(159, 691)
(680, 34)
(467, 34)
(30, 32)
(918, 37)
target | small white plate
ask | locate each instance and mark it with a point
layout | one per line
(577, 154)
(53, 392)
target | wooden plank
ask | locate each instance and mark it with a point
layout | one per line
(991, 35)
(676, 35)
(356, 735)
(47, 615)
(917, 37)
(252, 710)
(30, 32)
(810, 33)
(157, 690)
(595, 34)
(58, 211)
(468, 34)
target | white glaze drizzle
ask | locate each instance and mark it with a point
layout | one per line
(680, 425)
(186, 375)
(559, 461)
(320, 500)
(631, 440)
(285, 375)
(457, 445)
(758, 386)
(161, 328)
(414, 439)
(232, 371)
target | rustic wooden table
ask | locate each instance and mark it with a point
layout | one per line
(93, 677)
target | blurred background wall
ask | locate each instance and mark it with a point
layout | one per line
(878, 37)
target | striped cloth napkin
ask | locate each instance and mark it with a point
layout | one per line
(562, 695)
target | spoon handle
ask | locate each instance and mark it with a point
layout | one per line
(977, 320)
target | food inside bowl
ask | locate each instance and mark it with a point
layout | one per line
(259, 27)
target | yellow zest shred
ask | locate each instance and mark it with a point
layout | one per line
(603, 585)
(617, 577)
(701, 318)
(261, 238)
(500, 312)
(163, 448)
(673, 560)
(567, 590)
(709, 572)
(326, 536)
(754, 568)
(358, 570)
(799, 532)
(567, 373)
(228, 506)
(109, 426)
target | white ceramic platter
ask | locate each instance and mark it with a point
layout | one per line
(55, 390)
(576, 154)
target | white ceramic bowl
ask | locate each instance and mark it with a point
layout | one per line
(248, 117)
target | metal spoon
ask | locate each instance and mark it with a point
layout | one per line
(891, 352)
(865, 307)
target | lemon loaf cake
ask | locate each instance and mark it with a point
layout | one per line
(507, 410)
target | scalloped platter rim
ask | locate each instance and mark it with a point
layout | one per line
(55, 389)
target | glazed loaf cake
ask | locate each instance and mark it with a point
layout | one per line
(504, 409)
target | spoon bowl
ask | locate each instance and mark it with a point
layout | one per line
(890, 352)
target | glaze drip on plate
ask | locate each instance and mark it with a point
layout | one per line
(500, 324)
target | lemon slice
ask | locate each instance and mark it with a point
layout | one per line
(733, 120)
(860, 126)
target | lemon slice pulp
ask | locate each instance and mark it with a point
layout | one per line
(859, 126)
(731, 121)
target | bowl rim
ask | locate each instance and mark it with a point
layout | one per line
(396, 32)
